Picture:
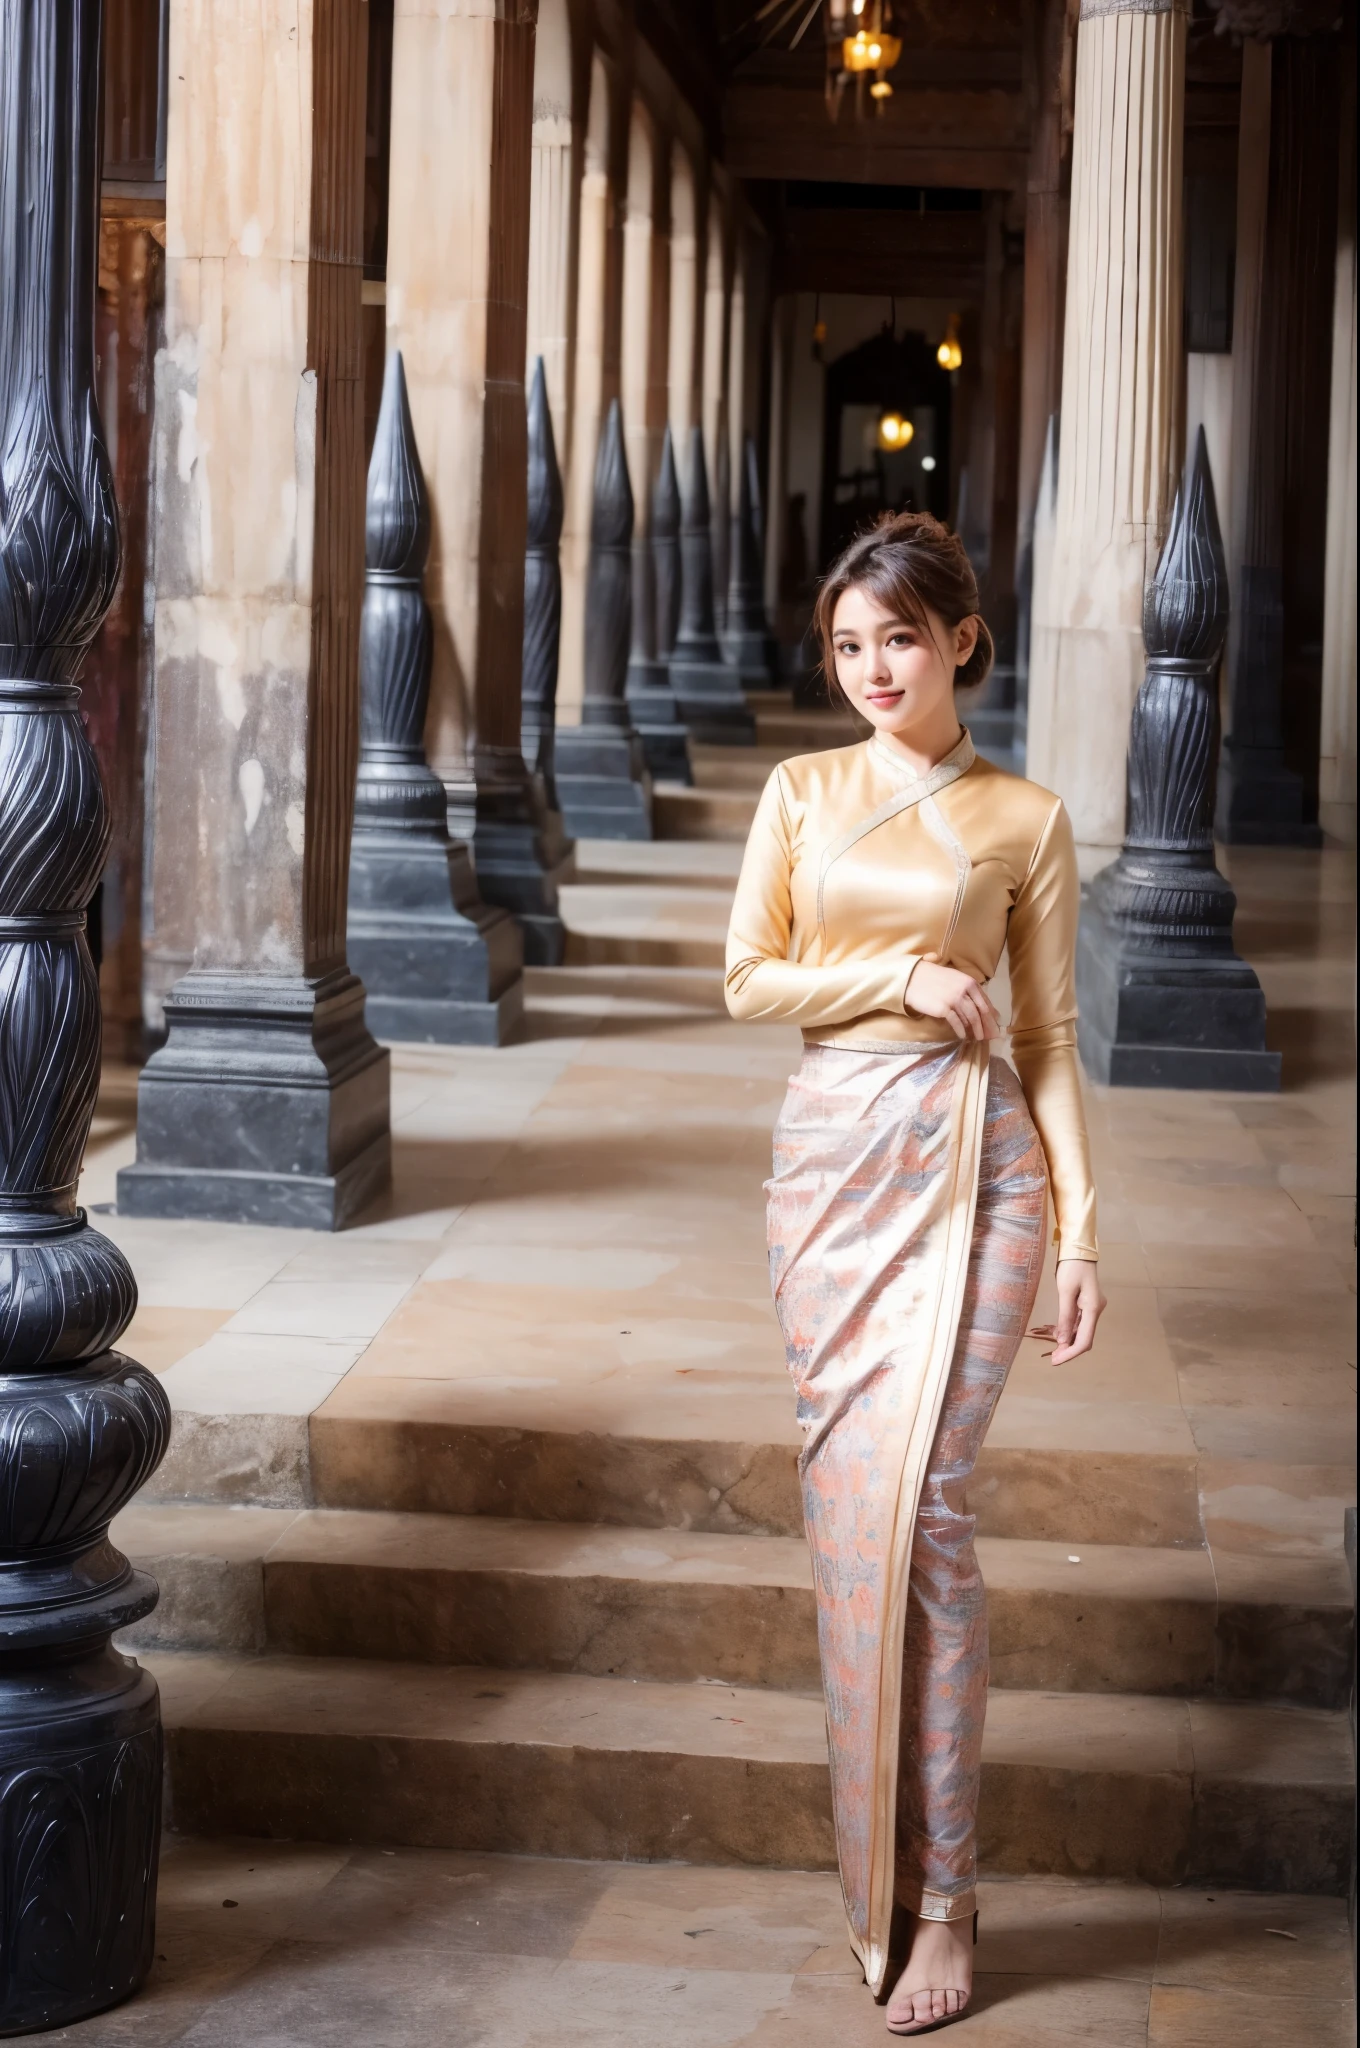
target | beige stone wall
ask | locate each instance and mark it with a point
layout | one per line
(1122, 408)
(259, 484)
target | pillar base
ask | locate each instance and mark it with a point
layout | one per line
(268, 1103)
(753, 654)
(511, 851)
(1261, 800)
(440, 965)
(1168, 1020)
(602, 782)
(657, 722)
(710, 699)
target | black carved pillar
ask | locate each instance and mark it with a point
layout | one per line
(542, 590)
(651, 700)
(720, 519)
(602, 779)
(665, 539)
(81, 1427)
(707, 688)
(1165, 1001)
(749, 641)
(438, 963)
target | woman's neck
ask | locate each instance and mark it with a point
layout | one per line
(925, 746)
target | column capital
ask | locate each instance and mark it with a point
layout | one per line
(1095, 10)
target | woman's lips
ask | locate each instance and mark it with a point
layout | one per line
(883, 696)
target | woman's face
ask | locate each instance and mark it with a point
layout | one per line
(895, 675)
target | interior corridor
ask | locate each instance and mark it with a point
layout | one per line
(480, 1529)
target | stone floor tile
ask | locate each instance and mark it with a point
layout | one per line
(249, 1373)
(1056, 1930)
(182, 1264)
(160, 1337)
(1181, 2017)
(315, 1307)
(703, 1919)
(1240, 1942)
(498, 1905)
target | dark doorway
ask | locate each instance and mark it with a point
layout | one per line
(890, 373)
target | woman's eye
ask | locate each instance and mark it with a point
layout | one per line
(848, 647)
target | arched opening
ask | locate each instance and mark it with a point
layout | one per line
(894, 376)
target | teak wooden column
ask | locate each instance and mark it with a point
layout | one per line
(1121, 432)
(269, 1101)
(457, 298)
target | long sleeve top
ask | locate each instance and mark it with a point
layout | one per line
(856, 870)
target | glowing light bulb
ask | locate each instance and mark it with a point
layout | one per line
(880, 90)
(927, 463)
(894, 432)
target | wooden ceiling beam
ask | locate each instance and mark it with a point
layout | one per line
(927, 136)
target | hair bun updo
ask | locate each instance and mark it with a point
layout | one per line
(909, 562)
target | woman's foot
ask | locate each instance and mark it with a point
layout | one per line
(938, 1976)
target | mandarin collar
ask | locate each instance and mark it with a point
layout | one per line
(956, 762)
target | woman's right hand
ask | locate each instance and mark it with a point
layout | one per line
(962, 1002)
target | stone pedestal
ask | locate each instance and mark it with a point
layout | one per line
(708, 690)
(1121, 432)
(1164, 1000)
(269, 1098)
(267, 1104)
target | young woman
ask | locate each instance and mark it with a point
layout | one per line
(906, 1211)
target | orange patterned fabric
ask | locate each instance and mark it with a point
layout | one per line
(905, 1215)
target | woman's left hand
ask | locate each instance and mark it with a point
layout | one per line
(1080, 1307)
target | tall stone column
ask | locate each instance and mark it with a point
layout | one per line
(1121, 431)
(594, 382)
(269, 1100)
(554, 216)
(457, 293)
(1336, 778)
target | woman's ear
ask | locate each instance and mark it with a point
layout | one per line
(967, 632)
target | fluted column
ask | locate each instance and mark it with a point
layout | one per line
(602, 779)
(707, 689)
(438, 963)
(269, 1100)
(457, 295)
(1121, 412)
(1164, 1000)
(81, 1427)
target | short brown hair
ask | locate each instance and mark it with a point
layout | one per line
(908, 561)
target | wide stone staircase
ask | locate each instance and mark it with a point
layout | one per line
(597, 1638)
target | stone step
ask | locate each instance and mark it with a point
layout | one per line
(448, 1454)
(703, 812)
(644, 923)
(536, 1763)
(677, 1605)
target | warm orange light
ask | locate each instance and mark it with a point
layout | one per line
(894, 431)
(871, 50)
(880, 90)
(949, 355)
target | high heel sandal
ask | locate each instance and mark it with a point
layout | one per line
(917, 2027)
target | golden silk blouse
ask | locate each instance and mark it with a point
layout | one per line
(856, 869)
